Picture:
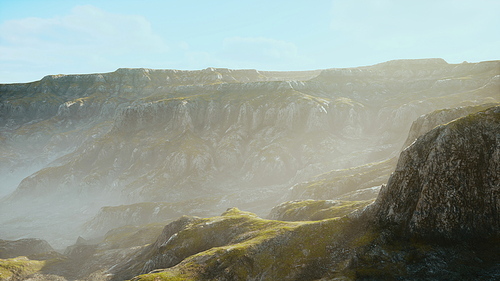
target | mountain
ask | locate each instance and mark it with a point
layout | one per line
(436, 218)
(72, 144)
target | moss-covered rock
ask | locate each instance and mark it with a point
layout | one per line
(18, 268)
(309, 210)
(427, 122)
(345, 182)
(446, 184)
(239, 246)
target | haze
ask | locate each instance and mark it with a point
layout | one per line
(235, 140)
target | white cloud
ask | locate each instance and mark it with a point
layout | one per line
(87, 36)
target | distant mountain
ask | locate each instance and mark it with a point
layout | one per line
(71, 144)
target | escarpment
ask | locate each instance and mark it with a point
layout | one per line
(71, 144)
(445, 188)
(447, 184)
(427, 122)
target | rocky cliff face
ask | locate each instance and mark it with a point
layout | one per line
(445, 188)
(427, 122)
(436, 219)
(244, 136)
(447, 183)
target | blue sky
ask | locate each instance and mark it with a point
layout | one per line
(41, 37)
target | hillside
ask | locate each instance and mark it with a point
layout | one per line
(419, 227)
(72, 144)
(426, 223)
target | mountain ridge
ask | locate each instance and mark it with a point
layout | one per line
(132, 136)
(388, 239)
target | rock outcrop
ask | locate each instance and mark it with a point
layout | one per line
(447, 183)
(71, 144)
(445, 189)
(436, 219)
(427, 122)
(235, 246)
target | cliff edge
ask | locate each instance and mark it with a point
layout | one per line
(447, 184)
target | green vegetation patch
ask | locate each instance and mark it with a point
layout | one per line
(312, 210)
(339, 182)
(254, 248)
(19, 267)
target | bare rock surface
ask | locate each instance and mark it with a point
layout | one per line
(447, 184)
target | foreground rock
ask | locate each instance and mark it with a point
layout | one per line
(236, 246)
(447, 184)
(427, 122)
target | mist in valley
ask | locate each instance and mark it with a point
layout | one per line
(200, 142)
(171, 146)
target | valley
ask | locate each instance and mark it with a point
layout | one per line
(221, 174)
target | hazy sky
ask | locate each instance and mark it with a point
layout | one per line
(41, 37)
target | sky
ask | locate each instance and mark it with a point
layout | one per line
(44, 37)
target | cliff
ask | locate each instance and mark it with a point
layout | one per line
(446, 184)
(429, 121)
(444, 189)
(437, 218)
(71, 144)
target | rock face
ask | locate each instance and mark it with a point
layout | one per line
(445, 189)
(447, 184)
(71, 144)
(427, 122)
